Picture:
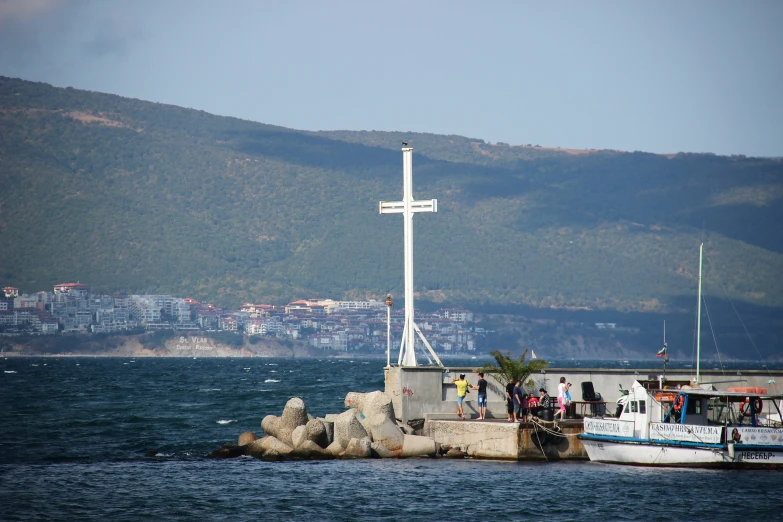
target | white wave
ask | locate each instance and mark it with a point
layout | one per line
(272, 380)
(272, 371)
(33, 365)
(270, 364)
(225, 421)
(245, 368)
(9, 371)
(209, 389)
(164, 454)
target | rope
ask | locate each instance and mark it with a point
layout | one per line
(714, 337)
(750, 338)
(539, 424)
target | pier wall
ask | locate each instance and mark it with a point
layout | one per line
(508, 441)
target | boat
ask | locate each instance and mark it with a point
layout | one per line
(689, 425)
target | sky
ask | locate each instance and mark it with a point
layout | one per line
(665, 76)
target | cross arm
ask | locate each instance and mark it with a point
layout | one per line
(398, 207)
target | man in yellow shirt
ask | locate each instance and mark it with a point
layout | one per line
(462, 390)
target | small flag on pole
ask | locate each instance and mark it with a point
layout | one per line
(662, 351)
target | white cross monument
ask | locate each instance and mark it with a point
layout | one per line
(407, 207)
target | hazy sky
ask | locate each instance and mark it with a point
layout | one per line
(663, 76)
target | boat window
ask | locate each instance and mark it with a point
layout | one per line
(642, 407)
(633, 406)
(694, 406)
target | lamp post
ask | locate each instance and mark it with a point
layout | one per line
(389, 305)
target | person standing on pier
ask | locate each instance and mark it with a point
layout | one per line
(510, 399)
(562, 389)
(482, 396)
(462, 390)
(518, 397)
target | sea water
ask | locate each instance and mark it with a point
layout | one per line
(127, 439)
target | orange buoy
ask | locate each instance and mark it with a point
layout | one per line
(749, 390)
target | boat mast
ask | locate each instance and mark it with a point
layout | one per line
(698, 318)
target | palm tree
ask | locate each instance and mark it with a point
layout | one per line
(509, 368)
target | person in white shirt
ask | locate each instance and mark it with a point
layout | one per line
(561, 397)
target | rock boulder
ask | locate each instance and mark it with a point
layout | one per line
(246, 438)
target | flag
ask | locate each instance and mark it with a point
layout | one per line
(662, 351)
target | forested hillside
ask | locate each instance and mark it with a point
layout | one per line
(129, 195)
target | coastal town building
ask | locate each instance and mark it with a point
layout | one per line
(326, 324)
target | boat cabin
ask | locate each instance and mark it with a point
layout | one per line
(647, 411)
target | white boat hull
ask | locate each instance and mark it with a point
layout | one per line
(657, 454)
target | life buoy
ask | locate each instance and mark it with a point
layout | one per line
(678, 402)
(758, 406)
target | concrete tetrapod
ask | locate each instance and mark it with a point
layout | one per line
(294, 415)
(385, 431)
(298, 436)
(418, 446)
(372, 403)
(357, 449)
(347, 427)
(314, 431)
(258, 448)
(335, 449)
(313, 451)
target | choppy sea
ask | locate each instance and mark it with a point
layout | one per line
(126, 439)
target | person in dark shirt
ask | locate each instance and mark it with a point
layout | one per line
(543, 402)
(481, 386)
(510, 399)
(517, 395)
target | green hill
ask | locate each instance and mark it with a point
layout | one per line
(129, 195)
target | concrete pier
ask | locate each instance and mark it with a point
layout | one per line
(426, 394)
(509, 441)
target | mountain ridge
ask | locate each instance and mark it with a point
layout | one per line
(156, 197)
